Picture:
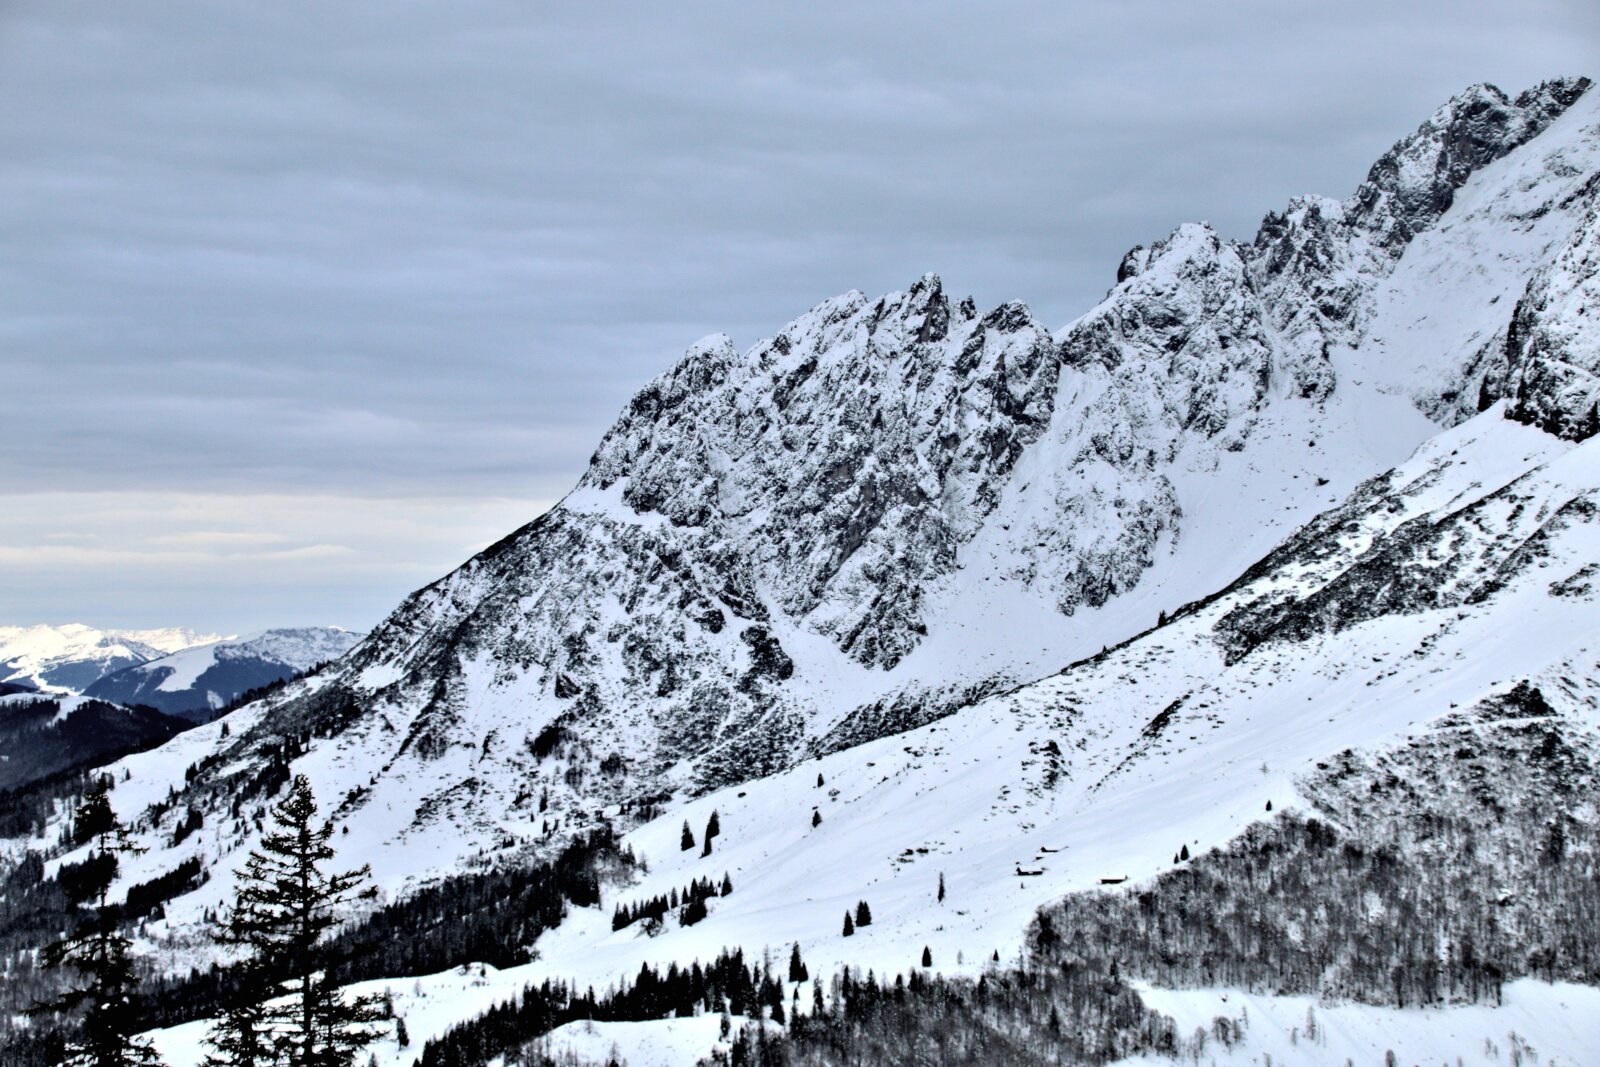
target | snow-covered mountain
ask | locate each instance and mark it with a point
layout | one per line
(70, 658)
(894, 506)
(912, 594)
(195, 682)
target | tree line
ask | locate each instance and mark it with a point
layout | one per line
(690, 905)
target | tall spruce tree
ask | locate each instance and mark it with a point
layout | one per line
(286, 902)
(797, 966)
(96, 948)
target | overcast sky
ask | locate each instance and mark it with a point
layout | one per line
(302, 303)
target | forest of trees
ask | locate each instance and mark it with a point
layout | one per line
(489, 917)
(1468, 857)
(1471, 856)
(690, 904)
(727, 984)
(1022, 1016)
(480, 917)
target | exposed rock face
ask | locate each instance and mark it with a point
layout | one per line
(1415, 182)
(1436, 559)
(848, 457)
(1552, 348)
(1316, 264)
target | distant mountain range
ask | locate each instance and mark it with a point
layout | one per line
(146, 697)
(73, 657)
(194, 683)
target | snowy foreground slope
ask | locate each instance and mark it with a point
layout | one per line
(194, 682)
(1309, 502)
(1107, 769)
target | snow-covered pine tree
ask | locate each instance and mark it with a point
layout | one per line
(285, 903)
(97, 949)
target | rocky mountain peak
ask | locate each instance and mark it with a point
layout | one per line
(860, 439)
(1412, 184)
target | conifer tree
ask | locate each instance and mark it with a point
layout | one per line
(849, 926)
(941, 887)
(727, 884)
(927, 956)
(242, 1036)
(686, 841)
(713, 828)
(863, 914)
(816, 817)
(286, 902)
(97, 949)
(797, 966)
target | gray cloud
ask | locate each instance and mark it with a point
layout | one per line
(426, 250)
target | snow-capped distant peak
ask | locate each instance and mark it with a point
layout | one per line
(71, 657)
(195, 681)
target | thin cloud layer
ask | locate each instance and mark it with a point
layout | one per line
(233, 562)
(425, 251)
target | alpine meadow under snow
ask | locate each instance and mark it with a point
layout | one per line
(1215, 677)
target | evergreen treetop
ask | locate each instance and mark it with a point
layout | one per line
(98, 950)
(286, 902)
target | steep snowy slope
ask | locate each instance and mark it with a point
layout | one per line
(194, 682)
(70, 658)
(1373, 627)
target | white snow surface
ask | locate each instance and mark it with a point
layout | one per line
(1182, 439)
(977, 798)
(1559, 1024)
